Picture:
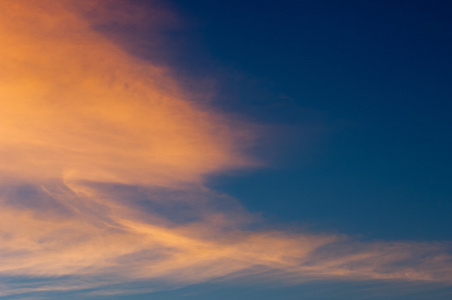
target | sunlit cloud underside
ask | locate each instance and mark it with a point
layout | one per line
(102, 162)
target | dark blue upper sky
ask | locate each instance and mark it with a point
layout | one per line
(360, 93)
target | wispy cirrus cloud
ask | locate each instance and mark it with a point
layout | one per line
(102, 239)
(102, 162)
(75, 104)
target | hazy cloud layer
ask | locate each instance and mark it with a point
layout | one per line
(102, 161)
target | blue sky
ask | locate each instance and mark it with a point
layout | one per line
(225, 150)
(367, 87)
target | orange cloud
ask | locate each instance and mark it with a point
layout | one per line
(76, 106)
(109, 243)
(84, 127)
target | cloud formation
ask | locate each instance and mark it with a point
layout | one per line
(102, 162)
(75, 104)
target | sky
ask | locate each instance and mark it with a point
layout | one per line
(172, 149)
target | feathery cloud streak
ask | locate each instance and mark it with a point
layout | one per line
(102, 160)
(73, 103)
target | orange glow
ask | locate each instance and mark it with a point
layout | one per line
(74, 105)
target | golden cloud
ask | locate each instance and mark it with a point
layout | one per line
(76, 106)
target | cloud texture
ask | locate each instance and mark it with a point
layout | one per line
(102, 163)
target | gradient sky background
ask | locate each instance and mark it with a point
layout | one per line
(226, 149)
(364, 90)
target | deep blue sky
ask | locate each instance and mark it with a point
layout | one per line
(358, 93)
